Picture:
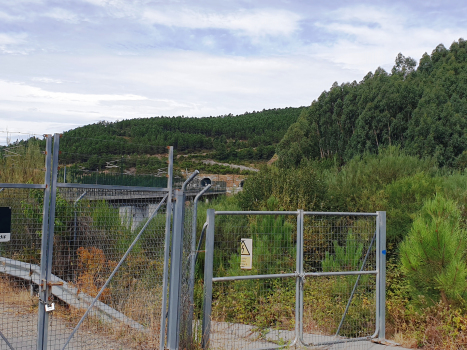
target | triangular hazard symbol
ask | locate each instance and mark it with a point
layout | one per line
(244, 249)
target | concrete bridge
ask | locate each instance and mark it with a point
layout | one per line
(134, 204)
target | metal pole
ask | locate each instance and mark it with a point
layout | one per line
(192, 259)
(381, 306)
(208, 274)
(42, 321)
(6, 341)
(168, 221)
(298, 279)
(173, 319)
(173, 335)
(300, 244)
(50, 238)
(203, 231)
(191, 177)
(378, 272)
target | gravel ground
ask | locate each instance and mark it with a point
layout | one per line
(19, 326)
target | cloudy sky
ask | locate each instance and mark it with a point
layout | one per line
(67, 63)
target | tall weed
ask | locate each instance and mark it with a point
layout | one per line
(24, 164)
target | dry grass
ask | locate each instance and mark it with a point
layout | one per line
(25, 167)
(14, 292)
(440, 327)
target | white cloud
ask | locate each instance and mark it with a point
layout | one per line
(9, 18)
(253, 22)
(63, 15)
(47, 80)
(12, 43)
(170, 83)
(13, 91)
(12, 39)
(368, 37)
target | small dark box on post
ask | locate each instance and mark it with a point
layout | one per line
(5, 224)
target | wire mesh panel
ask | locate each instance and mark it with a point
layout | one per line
(186, 323)
(94, 227)
(116, 161)
(339, 308)
(19, 268)
(253, 312)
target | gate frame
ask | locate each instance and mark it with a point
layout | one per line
(380, 272)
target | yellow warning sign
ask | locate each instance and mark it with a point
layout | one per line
(246, 249)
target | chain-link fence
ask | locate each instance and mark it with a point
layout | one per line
(94, 228)
(293, 279)
(185, 300)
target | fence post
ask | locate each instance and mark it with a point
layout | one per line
(298, 279)
(208, 273)
(41, 325)
(45, 291)
(381, 267)
(173, 323)
(168, 221)
(193, 255)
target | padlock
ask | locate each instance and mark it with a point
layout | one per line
(49, 307)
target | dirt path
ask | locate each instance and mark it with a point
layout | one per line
(233, 166)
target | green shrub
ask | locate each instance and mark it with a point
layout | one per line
(345, 258)
(294, 189)
(433, 253)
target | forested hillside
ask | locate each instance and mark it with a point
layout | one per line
(247, 137)
(422, 109)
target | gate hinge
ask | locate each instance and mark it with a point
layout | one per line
(301, 275)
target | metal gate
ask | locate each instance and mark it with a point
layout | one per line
(87, 264)
(277, 279)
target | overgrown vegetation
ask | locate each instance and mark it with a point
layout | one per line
(426, 222)
(23, 163)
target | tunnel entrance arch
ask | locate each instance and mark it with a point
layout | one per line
(206, 181)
